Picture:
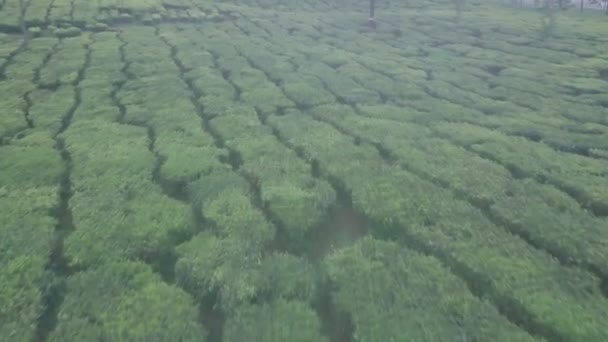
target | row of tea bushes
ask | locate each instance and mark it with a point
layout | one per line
(425, 216)
(30, 186)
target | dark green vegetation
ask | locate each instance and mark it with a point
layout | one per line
(256, 170)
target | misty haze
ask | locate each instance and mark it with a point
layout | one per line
(303, 170)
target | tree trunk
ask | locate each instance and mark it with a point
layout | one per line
(372, 5)
(582, 2)
(372, 9)
(22, 15)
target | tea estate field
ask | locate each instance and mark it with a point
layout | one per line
(187, 170)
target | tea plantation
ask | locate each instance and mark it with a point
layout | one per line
(277, 170)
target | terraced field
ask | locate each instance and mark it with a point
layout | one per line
(188, 170)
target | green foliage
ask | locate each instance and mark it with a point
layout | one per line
(235, 217)
(34, 31)
(300, 205)
(50, 107)
(9, 44)
(96, 102)
(215, 182)
(25, 213)
(210, 82)
(119, 210)
(125, 301)
(306, 91)
(98, 27)
(228, 260)
(228, 267)
(393, 294)
(380, 83)
(277, 321)
(266, 97)
(13, 105)
(286, 276)
(30, 163)
(64, 65)
(292, 194)
(185, 162)
(426, 214)
(342, 86)
(418, 150)
(550, 218)
(20, 296)
(478, 142)
(67, 32)
(321, 142)
(30, 174)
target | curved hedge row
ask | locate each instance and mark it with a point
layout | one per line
(124, 300)
(394, 294)
(426, 216)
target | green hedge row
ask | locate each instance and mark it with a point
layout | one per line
(36, 12)
(125, 301)
(28, 60)
(12, 116)
(285, 182)
(65, 63)
(525, 206)
(256, 90)
(118, 210)
(423, 215)
(230, 260)
(280, 320)
(579, 176)
(19, 76)
(286, 185)
(263, 295)
(89, 14)
(538, 82)
(30, 177)
(467, 99)
(50, 106)
(157, 96)
(553, 126)
(61, 11)
(393, 294)
(10, 13)
(9, 44)
(103, 76)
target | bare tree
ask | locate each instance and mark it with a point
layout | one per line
(372, 11)
(547, 19)
(22, 9)
(23, 5)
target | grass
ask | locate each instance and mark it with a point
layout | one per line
(198, 170)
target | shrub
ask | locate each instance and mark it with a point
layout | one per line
(229, 267)
(288, 277)
(125, 301)
(277, 321)
(67, 32)
(21, 301)
(394, 294)
(119, 211)
(35, 31)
